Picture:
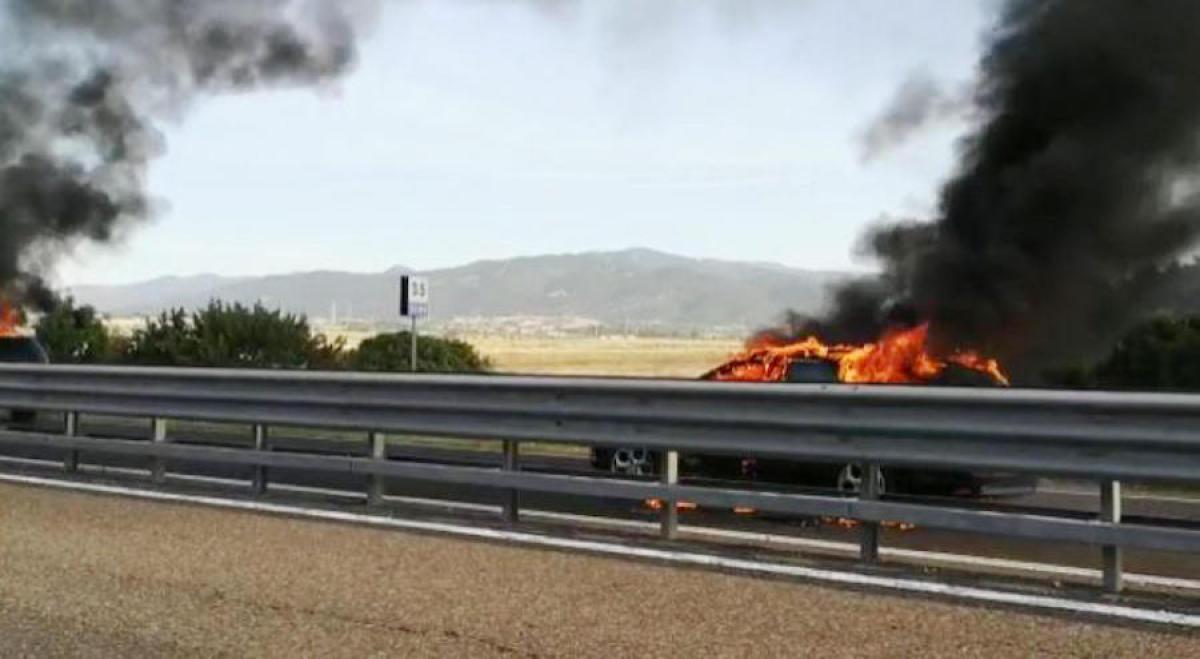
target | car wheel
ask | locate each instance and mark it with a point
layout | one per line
(632, 462)
(850, 480)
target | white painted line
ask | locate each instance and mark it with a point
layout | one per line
(31, 461)
(1046, 602)
(1128, 497)
(451, 505)
(323, 491)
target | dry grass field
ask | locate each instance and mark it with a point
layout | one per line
(633, 356)
(629, 356)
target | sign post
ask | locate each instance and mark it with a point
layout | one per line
(412, 359)
(414, 304)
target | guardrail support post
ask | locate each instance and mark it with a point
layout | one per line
(71, 429)
(261, 443)
(158, 435)
(669, 515)
(1110, 511)
(378, 447)
(512, 498)
(868, 548)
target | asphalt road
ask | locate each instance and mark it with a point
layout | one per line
(117, 577)
(1160, 509)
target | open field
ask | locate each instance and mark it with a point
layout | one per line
(568, 355)
(632, 356)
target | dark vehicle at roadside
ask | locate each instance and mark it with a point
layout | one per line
(22, 349)
(844, 477)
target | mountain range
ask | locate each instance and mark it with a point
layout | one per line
(633, 287)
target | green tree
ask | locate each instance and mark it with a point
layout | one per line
(75, 335)
(165, 341)
(234, 336)
(392, 352)
(1161, 354)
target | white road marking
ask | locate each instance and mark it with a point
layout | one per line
(1046, 602)
(1085, 494)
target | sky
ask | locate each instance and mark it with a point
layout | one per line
(483, 129)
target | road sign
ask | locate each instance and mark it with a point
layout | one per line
(414, 297)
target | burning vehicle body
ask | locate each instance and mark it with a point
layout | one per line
(19, 346)
(899, 358)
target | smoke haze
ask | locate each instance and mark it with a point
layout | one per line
(83, 82)
(917, 104)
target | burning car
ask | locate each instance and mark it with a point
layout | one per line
(900, 357)
(19, 347)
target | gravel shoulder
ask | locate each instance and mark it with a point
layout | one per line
(86, 575)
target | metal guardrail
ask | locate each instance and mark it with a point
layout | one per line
(1104, 437)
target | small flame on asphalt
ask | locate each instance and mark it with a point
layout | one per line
(847, 523)
(658, 504)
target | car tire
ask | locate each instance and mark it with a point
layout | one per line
(850, 476)
(633, 461)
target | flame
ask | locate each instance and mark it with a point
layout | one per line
(847, 523)
(657, 504)
(898, 357)
(10, 319)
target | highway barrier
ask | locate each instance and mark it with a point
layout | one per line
(1099, 436)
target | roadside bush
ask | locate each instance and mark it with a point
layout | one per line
(237, 336)
(1162, 354)
(392, 352)
(234, 336)
(76, 335)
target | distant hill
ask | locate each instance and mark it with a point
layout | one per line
(635, 287)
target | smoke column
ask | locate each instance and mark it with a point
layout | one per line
(1081, 172)
(82, 81)
(917, 104)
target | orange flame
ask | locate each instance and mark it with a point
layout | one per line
(847, 523)
(899, 356)
(656, 504)
(10, 319)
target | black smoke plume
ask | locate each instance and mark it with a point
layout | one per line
(1081, 174)
(83, 81)
(918, 103)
